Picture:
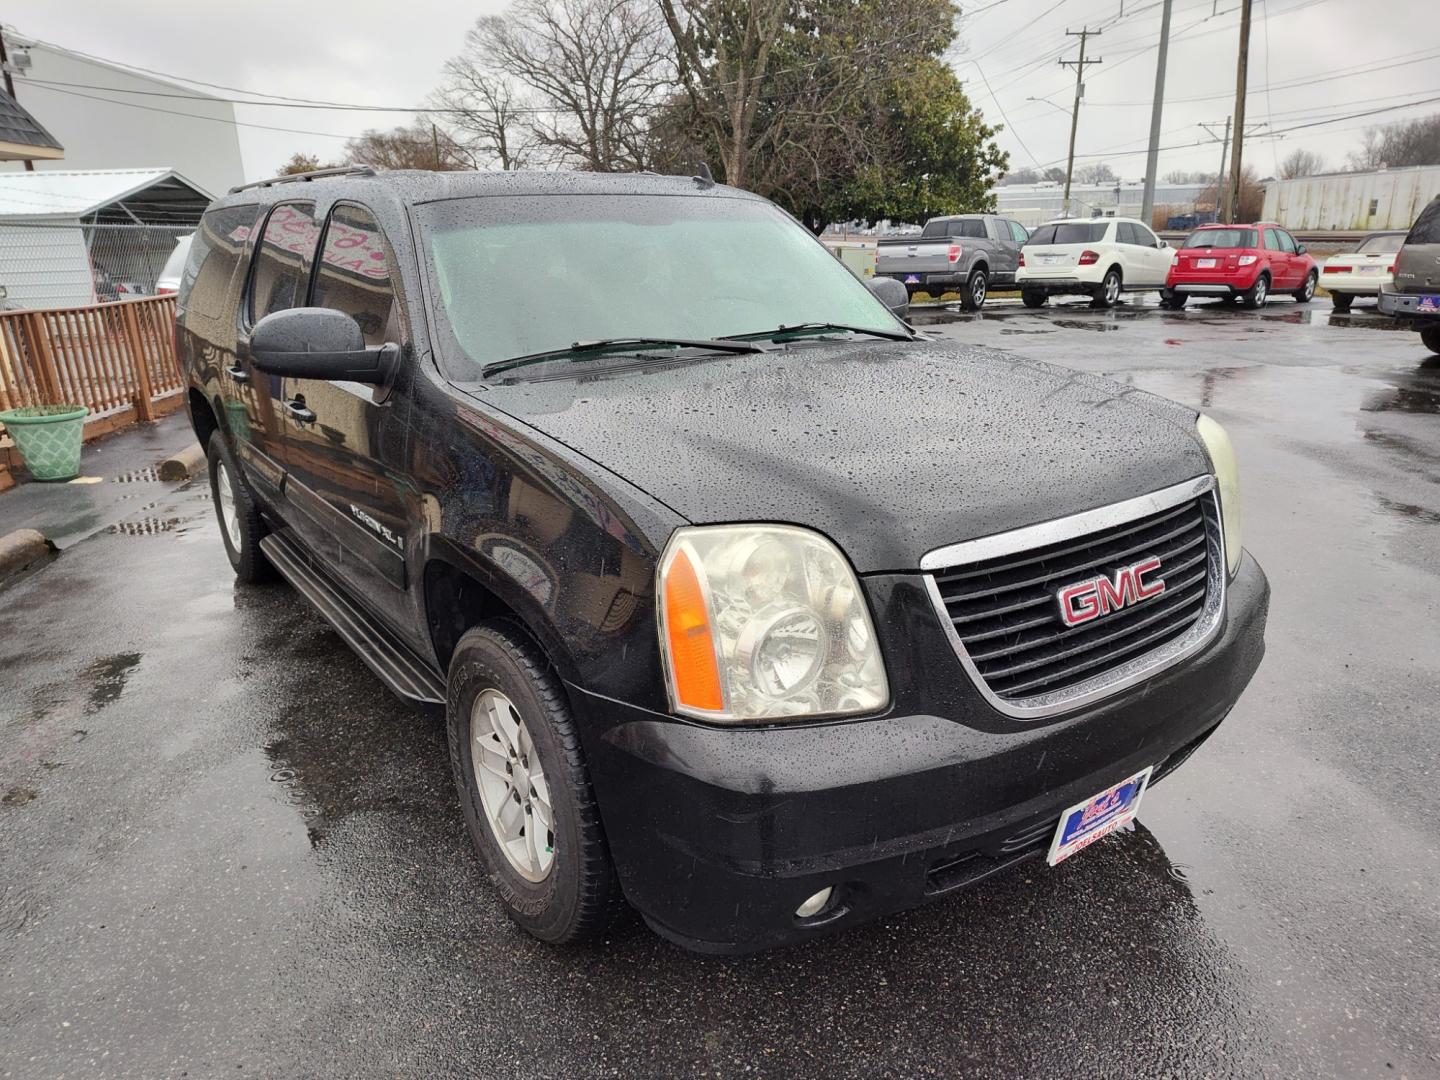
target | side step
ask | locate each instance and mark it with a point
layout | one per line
(398, 667)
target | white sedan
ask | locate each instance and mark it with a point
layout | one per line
(1095, 257)
(1361, 272)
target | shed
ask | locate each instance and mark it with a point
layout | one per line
(73, 237)
(22, 138)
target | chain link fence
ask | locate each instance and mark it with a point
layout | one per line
(67, 264)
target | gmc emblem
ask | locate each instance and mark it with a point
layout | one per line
(1087, 600)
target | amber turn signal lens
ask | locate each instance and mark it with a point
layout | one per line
(695, 673)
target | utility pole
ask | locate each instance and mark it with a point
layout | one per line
(1242, 69)
(435, 144)
(1079, 66)
(1152, 159)
(10, 84)
(1224, 148)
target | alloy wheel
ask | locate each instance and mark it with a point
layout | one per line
(225, 508)
(513, 791)
(1112, 288)
(1262, 291)
(1310, 287)
(977, 289)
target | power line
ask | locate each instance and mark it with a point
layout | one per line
(1012, 128)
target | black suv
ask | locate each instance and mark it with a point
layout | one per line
(744, 602)
(1414, 297)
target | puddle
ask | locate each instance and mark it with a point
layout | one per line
(1402, 399)
(107, 678)
(1411, 511)
(149, 526)
(1078, 324)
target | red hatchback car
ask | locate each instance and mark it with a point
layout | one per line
(1245, 262)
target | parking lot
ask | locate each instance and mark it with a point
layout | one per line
(224, 847)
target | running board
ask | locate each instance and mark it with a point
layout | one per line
(398, 667)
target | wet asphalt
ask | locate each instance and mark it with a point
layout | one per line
(225, 849)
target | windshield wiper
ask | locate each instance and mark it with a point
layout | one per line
(821, 327)
(585, 349)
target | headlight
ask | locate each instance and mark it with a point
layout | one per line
(765, 622)
(1227, 475)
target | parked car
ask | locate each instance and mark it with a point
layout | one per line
(1361, 272)
(1096, 257)
(1414, 294)
(722, 620)
(970, 253)
(169, 279)
(1249, 263)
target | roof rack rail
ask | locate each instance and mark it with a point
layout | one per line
(317, 174)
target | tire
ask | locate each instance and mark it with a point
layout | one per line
(1341, 301)
(241, 526)
(1256, 296)
(1306, 292)
(1431, 337)
(1173, 300)
(498, 671)
(1033, 299)
(975, 289)
(1107, 293)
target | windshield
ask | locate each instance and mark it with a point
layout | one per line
(1221, 238)
(1069, 232)
(515, 276)
(1382, 245)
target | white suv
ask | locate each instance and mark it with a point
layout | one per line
(1095, 257)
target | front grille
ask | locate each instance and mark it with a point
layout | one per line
(1007, 617)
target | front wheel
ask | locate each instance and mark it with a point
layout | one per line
(1255, 296)
(1107, 293)
(972, 295)
(241, 526)
(1032, 298)
(1431, 337)
(1307, 291)
(1341, 301)
(524, 787)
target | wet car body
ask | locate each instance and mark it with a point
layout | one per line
(548, 496)
(1414, 294)
(1266, 261)
(1362, 272)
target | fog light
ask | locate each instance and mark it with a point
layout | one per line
(815, 904)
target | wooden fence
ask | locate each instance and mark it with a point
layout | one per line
(118, 359)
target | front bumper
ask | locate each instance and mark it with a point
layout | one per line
(719, 834)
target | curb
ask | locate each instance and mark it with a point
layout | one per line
(183, 465)
(21, 549)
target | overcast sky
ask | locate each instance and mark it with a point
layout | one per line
(1310, 60)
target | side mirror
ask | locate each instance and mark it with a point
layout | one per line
(890, 293)
(1164, 243)
(319, 343)
(1299, 249)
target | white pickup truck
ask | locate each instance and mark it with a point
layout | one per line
(968, 253)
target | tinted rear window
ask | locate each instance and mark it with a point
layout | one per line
(971, 227)
(1381, 245)
(1221, 238)
(1069, 232)
(1426, 229)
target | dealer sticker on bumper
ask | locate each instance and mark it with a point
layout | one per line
(1098, 816)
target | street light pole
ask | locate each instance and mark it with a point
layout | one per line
(1079, 66)
(1152, 159)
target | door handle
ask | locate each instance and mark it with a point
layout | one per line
(297, 409)
(238, 373)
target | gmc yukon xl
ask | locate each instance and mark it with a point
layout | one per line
(744, 603)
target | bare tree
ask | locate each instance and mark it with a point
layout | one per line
(482, 109)
(418, 145)
(1095, 173)
(1301, 163)
(1409, 142)
(302, 163)
(594, 70)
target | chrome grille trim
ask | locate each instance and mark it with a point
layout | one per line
(955, 557)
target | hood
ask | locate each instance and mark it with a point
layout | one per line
(891, 449)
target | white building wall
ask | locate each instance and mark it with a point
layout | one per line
(112, 133)
(1388, 199)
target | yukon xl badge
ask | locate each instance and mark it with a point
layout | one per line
(374, 526)
(1087, 600)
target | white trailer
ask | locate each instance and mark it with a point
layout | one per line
(1352, 202)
